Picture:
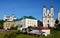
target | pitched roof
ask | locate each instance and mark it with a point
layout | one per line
(26, 17)
(41, 27)
(29, 17)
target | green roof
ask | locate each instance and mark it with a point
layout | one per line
(28, 17)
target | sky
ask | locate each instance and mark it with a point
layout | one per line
(27, 8)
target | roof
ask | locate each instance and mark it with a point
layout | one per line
(26, 17)
(41, 28)
(29, 17)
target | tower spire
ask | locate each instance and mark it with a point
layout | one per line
(51, 6)
(44, 6)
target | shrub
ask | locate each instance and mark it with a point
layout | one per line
(13, 28)
(10, 35)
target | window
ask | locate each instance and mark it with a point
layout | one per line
(48, 14)
(21, 26)
(48, 20)
(44, 13)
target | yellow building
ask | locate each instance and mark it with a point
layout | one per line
(9, 24)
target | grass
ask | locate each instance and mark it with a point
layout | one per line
(54, 34)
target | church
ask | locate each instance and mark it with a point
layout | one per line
(48, 16)
(9, 18)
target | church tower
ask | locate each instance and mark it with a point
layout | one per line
(44, 10)
(9, 18)
(48, 17)
(52, 11)
(59, 16)
(52, 16)
(44, 16)
(12, 17)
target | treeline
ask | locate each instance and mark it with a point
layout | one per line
(1, 24)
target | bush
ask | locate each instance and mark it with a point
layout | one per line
(10, 35)
(18, 32)
(13, 28)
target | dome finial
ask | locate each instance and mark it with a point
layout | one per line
(51, 6)
(44, 6)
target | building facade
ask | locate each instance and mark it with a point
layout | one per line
(9, 24)
(48, 17)
(25, 22)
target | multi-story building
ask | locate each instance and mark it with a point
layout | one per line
(9, 18)
(9, 24)
(25, 21)
(48, 17)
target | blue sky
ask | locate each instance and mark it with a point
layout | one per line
(27, 7)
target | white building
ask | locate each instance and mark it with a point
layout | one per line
(59, 16)
(25, 22)
(46, 32)
(9, 18)
(48, 17)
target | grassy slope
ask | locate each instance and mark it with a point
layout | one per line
(54, 34)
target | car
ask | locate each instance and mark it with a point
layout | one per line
(34, 32)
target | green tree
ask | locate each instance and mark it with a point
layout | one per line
(13, 28)
(57, 21)
(1, 24)
(10, 35)
(57, 25)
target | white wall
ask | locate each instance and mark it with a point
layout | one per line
(47, 31)
(49, 15)
(27, 22)
(31, 22)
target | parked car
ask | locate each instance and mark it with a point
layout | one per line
(35, 32)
